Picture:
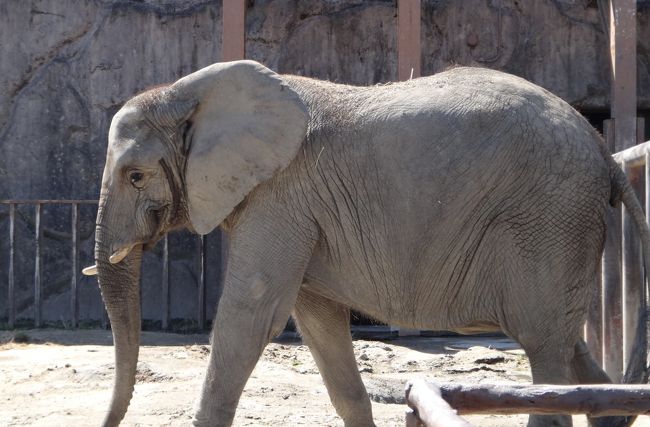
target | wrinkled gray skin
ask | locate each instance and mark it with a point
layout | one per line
(471, 200)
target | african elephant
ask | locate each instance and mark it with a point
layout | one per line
(471, 200)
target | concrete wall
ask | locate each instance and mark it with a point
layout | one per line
(68, 65)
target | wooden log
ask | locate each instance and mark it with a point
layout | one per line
(594, 400)
(429, 408)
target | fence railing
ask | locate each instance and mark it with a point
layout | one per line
(621, 304)
(75, 269)
(38, 266)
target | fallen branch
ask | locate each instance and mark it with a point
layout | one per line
(429, 409)
(594, 400)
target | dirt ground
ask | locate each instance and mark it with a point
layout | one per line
(63, 378)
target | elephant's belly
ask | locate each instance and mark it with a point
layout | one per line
(407, 303)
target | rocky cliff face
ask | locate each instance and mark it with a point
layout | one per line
(68, 65)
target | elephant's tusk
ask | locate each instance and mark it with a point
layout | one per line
(120, 254)
(90, 271)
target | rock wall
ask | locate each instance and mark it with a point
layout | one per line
(68, 65)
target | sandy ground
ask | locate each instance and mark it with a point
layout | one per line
(63, 378)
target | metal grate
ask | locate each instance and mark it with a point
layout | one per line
(76, 267)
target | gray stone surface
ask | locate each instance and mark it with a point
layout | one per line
(67, 65)
(66, 68)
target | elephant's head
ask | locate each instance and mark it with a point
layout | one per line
(183, 155)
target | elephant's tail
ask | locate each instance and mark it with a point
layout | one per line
(637, 369)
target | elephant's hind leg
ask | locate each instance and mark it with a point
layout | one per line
(325, 327)
(586, 371)
(549, 365)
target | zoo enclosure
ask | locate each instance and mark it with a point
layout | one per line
(604, 337)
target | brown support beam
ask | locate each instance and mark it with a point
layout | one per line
(621, 271)
(408, 66)
(622, 45)
(633, 286)
(612, 309)
(232, 40)
(408, 39)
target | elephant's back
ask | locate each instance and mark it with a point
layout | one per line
(462, 106)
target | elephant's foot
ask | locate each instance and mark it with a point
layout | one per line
(611, 421)
(550, 421)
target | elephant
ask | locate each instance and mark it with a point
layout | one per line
(470, 201)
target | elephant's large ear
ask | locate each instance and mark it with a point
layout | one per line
(247, 126)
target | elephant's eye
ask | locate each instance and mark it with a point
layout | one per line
(136, 178)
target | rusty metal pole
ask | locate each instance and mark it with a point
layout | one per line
(233, 30)
(408, 39)
(622, 45)
(633, 284)
(618, 275)
(612, 317)
(408, 66)
(233, 48)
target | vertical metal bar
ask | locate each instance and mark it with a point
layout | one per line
(408, 39)
(612, 316)
(74, 306)
(201, 287)
(647, 216)
(632, 272)
(12, 251)
(224, 245)
(165, 285)
(594, 325)
(233, 30)
(647, 188)
(37, 266)
(622, 44)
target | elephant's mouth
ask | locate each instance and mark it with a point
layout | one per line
(161, 222)
(165, 218)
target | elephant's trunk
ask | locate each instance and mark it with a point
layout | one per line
(119, 284)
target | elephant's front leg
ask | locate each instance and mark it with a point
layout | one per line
(325, 327)
(263, 277)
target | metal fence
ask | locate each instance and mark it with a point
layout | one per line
(38, 266)
(75, 268)
(621, 299)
